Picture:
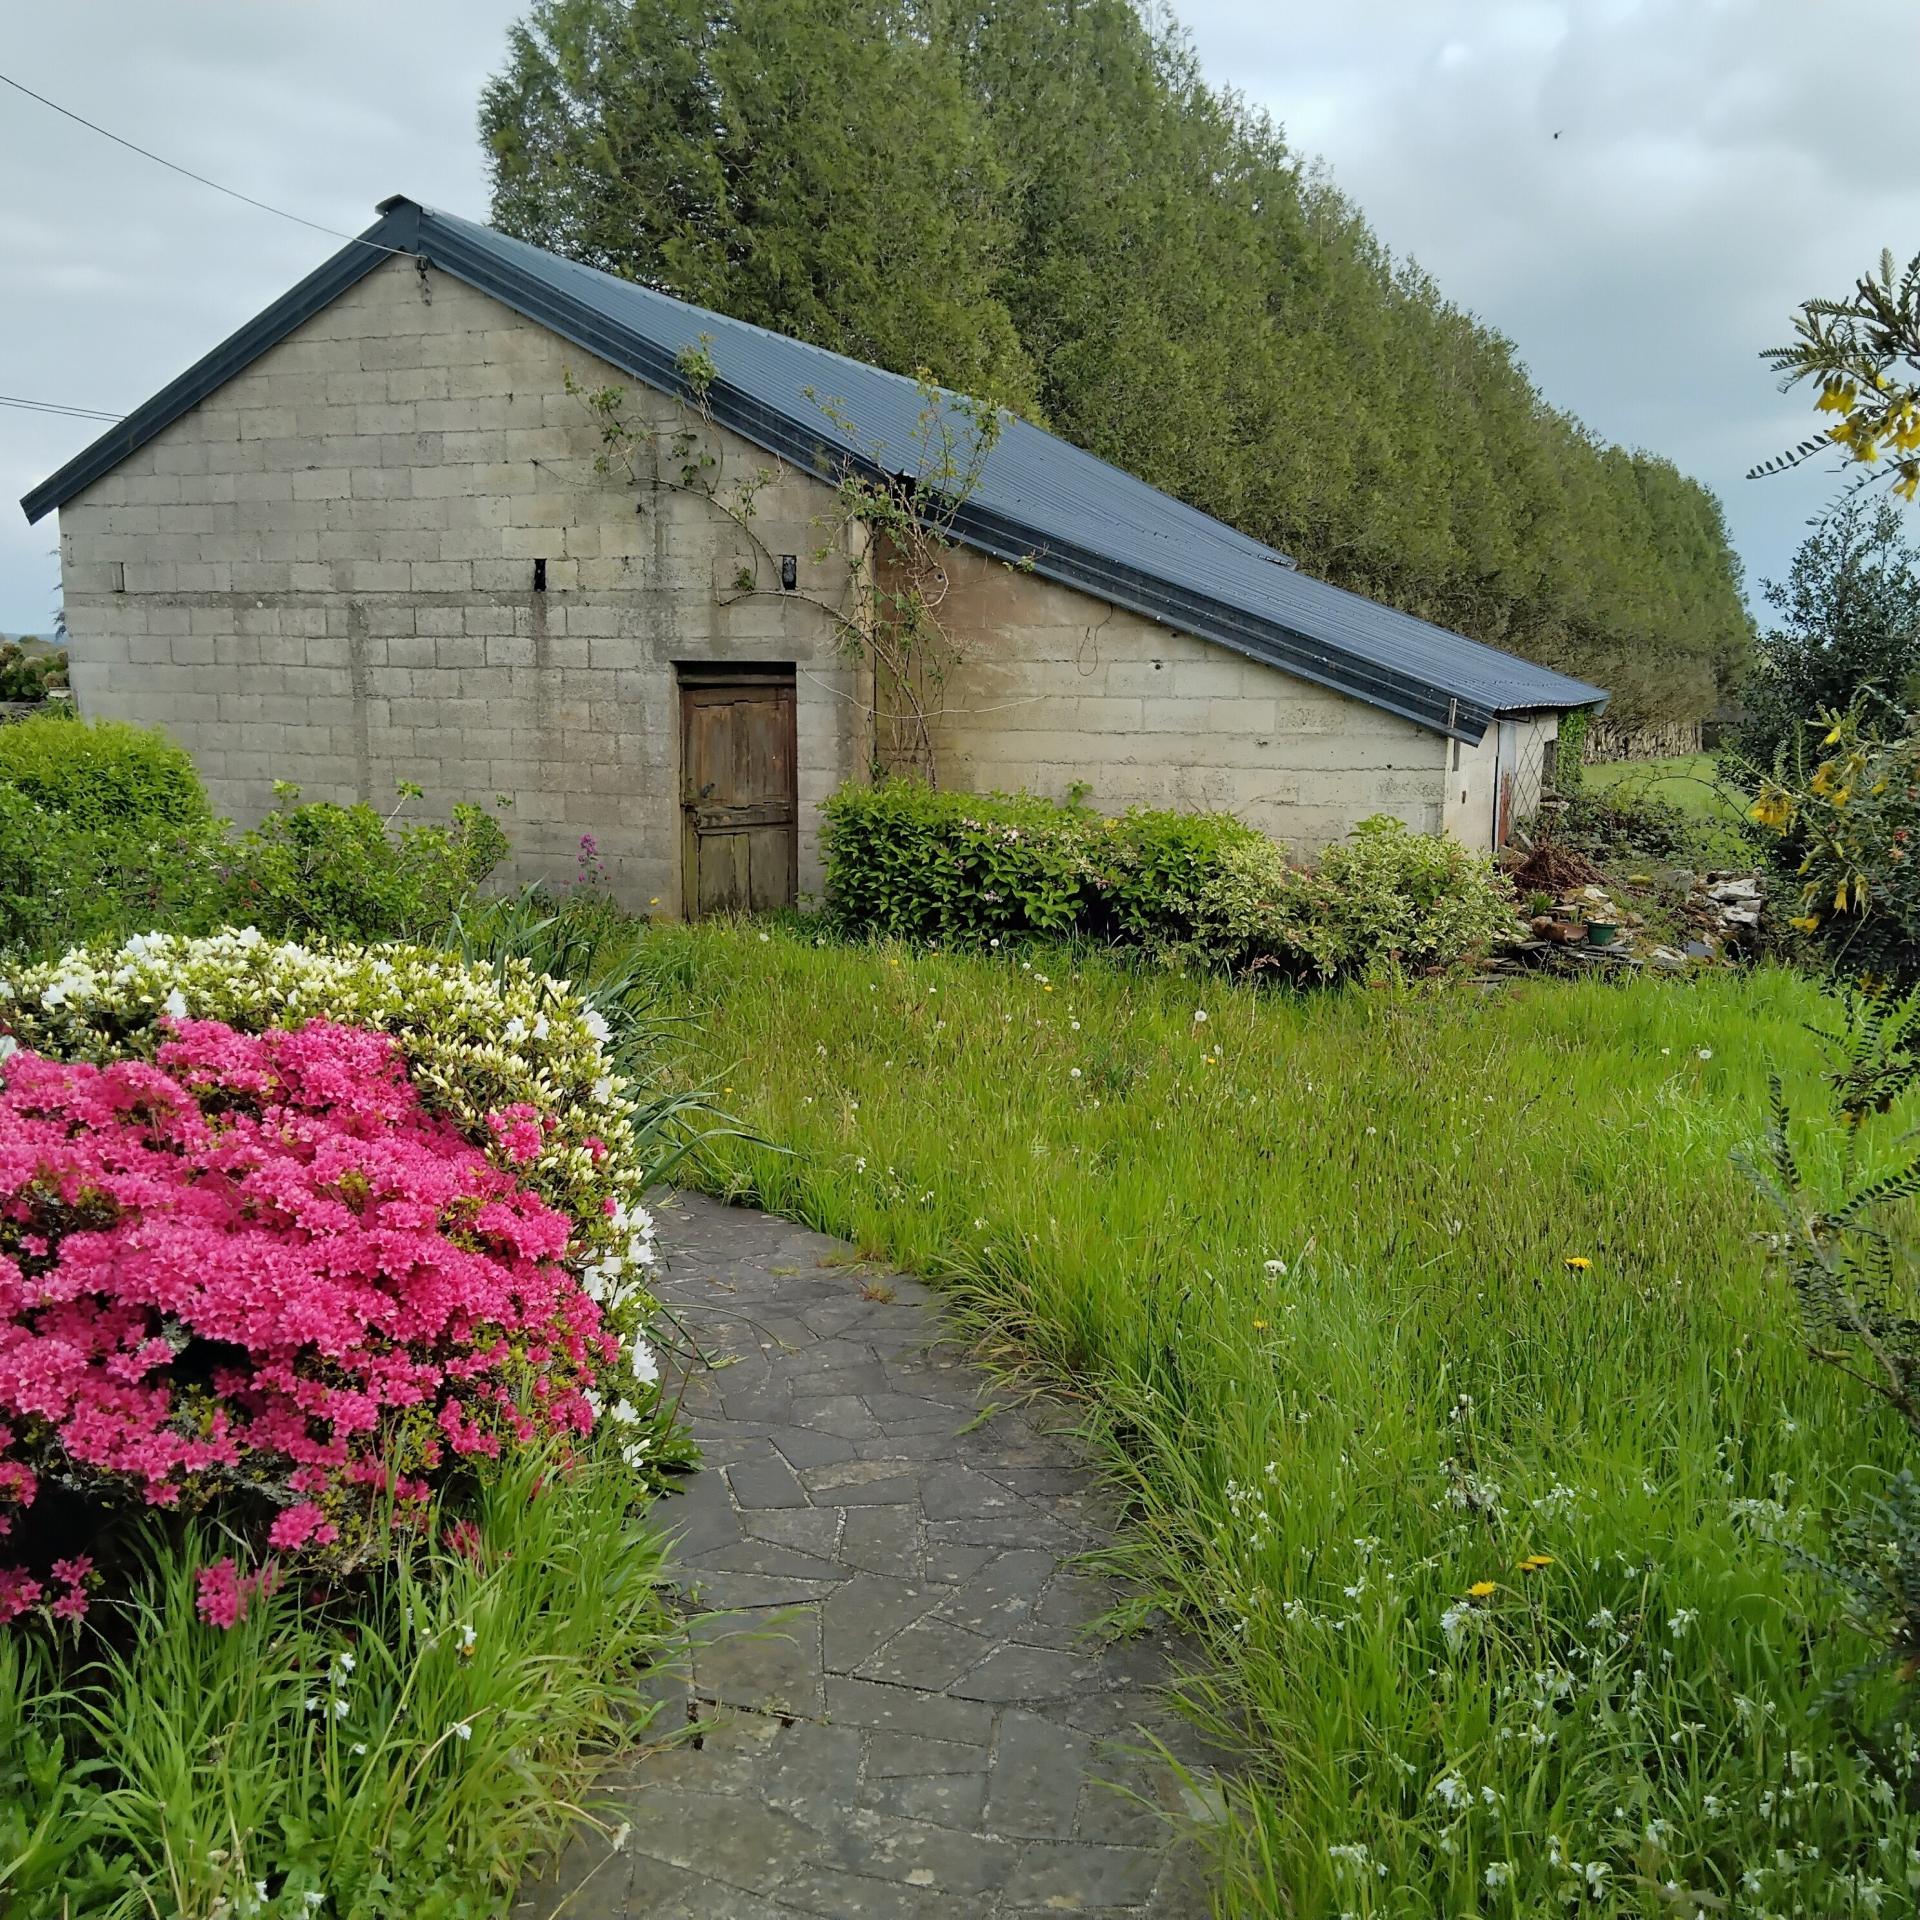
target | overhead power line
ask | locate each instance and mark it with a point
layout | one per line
(58, 406)
(173, 166)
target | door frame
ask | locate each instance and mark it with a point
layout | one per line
(729, 675)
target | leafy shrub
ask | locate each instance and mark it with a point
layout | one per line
(30, 676)
(348, 873)
(1614, 823)
(102, 773)
(476, 1041)
(257, 1271)
(1205, 889)
(64, 881)
(907, 861)
(1843, 844)
(105, 828)
(1421, 898)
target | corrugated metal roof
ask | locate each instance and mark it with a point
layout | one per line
(1037, 499)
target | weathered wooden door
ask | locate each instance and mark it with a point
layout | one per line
(738, 793)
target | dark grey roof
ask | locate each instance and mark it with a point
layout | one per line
(1036, 500)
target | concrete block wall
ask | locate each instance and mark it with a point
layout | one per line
(324, 574)
(1057, 687)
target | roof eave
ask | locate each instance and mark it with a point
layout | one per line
(407, 228)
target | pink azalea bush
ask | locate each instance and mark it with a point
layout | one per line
(258, 1270)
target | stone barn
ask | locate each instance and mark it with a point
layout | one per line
(457, 511)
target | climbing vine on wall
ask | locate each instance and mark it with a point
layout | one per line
(891, 518)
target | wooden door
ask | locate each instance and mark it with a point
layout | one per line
(738, 795)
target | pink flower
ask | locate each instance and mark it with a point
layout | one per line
(221, 1601)
(19, 1591)
(297, 1526)
(518, 1130)
(259, 1260)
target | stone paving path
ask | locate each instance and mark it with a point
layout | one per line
(908, 1720)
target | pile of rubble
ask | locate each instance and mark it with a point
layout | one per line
(1701, 918)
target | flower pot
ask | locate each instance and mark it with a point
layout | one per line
(1602, 933)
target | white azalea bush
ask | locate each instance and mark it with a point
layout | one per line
(515, 1060)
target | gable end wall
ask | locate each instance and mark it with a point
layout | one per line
(323, 574)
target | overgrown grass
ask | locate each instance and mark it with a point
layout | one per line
(1319, 1266)
(405, 1749)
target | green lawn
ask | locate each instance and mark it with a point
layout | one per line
(1694, 783)
(1309, 1262)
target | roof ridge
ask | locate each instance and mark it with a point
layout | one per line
(1037, 499)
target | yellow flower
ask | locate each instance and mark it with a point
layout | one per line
(1837, 396)
(1773, 809)
(1535, 1561)
(1578, 1262)
(1260, 1326)
(1482, 1588)
(1805, 923)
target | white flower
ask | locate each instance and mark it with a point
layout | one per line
(1199, 1016)
(603, 1090)
(1706, 1053)
(314, 1901)
(467, 1638)
(514, 1031)
(1276, 1268)
(175, 1004)
(645, 1368)
(1497, 1876)
(461, 1730)
(595, 1023)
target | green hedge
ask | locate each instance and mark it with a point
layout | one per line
(966, 869)
(102, 773)
(105, 830)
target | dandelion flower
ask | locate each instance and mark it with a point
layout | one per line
(1578, 1262)
(1535, 1561)
(1481, 1589)
(1706, 1053)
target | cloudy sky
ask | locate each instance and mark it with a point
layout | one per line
(1716, 162)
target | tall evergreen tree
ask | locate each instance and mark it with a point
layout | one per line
(1044, 202)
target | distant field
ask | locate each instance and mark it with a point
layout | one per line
(1455, 1402)
(1692, 782)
